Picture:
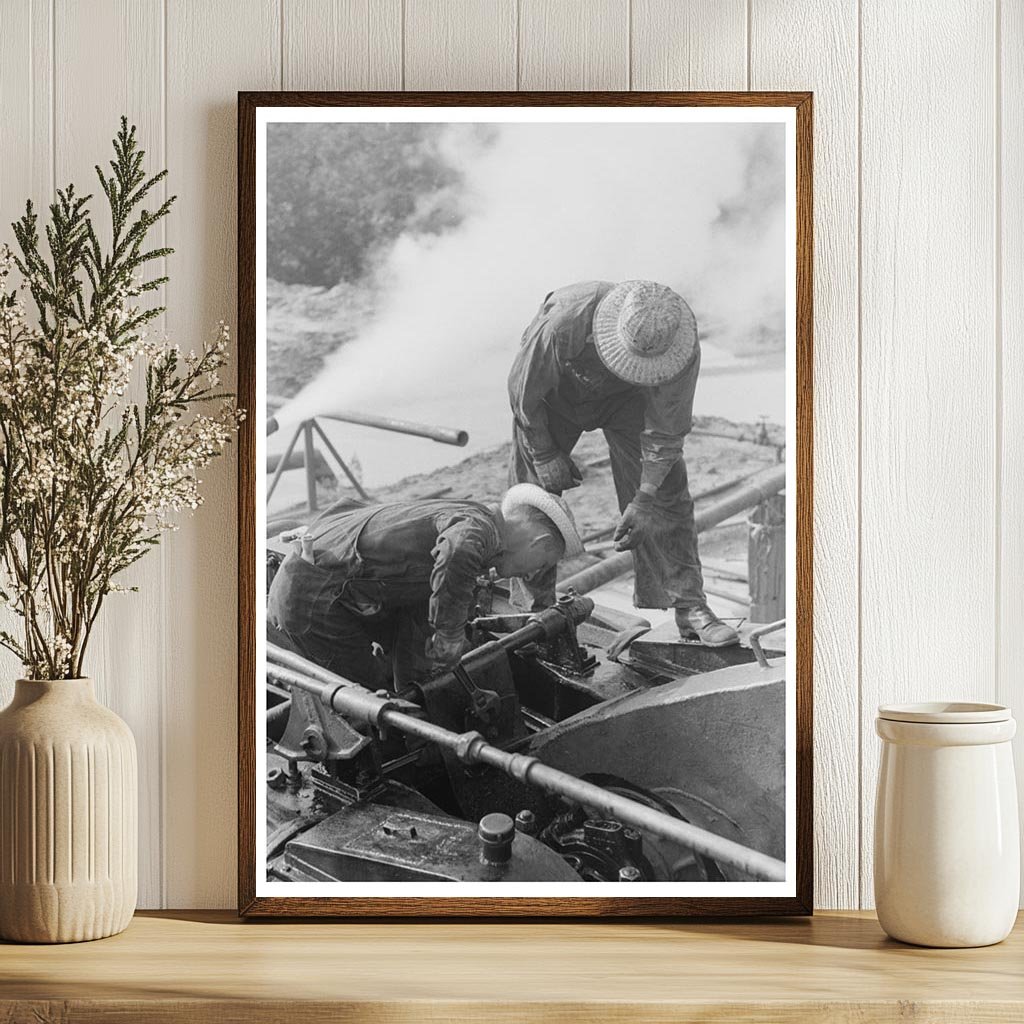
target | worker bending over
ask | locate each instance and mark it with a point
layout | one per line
(624, 359)
(404, 576)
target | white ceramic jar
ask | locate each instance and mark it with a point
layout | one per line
(68, 815)
(947, 847)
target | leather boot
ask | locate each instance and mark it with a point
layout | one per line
(701, 623)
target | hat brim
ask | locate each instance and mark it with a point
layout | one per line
(647, 371)
(536, 497)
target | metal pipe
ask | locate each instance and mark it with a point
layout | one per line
(277, 719)
(350, 699)
(444, 435)
(297, 460)
(341, 462)
(307, 439)
(284, 462)
(755, 639)
(759, 487)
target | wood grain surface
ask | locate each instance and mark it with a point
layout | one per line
(250, 688)
(689, 44)
(832, 75)
(228, 45)
(466, 45)
(574, 44)
(928, 366)
(1009, 325)
(209, 967)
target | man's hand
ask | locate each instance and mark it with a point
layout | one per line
(557, 472)
(636, 524)
(445, 649)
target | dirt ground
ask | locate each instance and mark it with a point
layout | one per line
(718, 453)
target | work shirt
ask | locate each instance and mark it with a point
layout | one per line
(558, 368)
(385, 557)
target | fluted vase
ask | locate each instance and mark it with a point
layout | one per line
(68, 815)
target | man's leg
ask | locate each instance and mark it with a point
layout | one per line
(408, 654)
(303, 608)
(538, 591)
(342, 644)
(667, 565)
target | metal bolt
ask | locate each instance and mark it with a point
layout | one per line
(526, 822)
(496, 833)
(294, 776)
(629, 874)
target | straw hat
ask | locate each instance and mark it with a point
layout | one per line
(644, 332)
(532, 496)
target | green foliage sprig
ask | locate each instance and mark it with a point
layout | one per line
(89, 477)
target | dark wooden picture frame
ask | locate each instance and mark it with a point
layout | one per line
(249, 903)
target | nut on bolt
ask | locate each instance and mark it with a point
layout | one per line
(526, 822)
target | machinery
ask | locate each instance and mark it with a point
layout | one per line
(568, 745)
(573, 744)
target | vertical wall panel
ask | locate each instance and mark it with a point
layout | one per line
(574, 44)
(342, 44)
(460, 44)
(127, 666)
(1010, 176)
(26, 101)
(928, 405)
(814, 46)
(689, 44)
(213, 51)
(26, 171)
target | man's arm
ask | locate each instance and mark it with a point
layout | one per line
(534, 375)
(463, 550)
(668, 418)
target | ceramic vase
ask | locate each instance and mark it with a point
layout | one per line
(947, 847)
(68, 812)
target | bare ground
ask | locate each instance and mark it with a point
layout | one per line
(718, 453)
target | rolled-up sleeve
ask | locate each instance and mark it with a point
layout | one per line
(464, 550)
(668, 418)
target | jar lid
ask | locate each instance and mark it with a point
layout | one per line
(945, 712)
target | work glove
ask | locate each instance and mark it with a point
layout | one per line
(557, 472)
(637, 522)
(445, 649)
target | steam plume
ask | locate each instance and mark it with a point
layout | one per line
(697, 207)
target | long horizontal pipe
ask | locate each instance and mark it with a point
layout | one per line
(443, 435)
(345, 697)
(759, 487)
(297, 460)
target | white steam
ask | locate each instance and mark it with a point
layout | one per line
(696, 207)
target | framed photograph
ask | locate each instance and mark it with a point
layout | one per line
(525, 504)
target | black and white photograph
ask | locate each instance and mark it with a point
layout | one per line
(526, 516)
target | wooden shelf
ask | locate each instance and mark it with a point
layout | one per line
(210, 967)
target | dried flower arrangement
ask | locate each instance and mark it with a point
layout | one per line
(90, 477)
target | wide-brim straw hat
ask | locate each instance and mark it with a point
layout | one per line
(644, 332)
(552, 506)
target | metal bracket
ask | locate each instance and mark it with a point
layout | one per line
(755, 640)
(313, 733)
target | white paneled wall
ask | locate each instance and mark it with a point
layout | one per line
(919, 324)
